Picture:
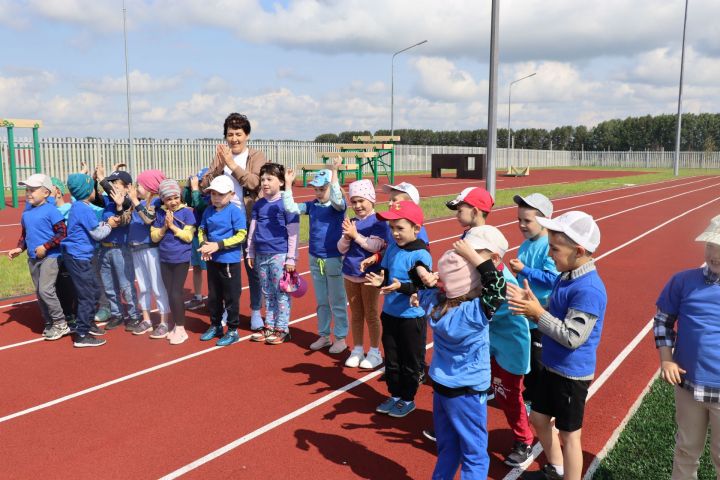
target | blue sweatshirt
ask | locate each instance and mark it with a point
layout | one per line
(38, 224)
(539, 270)
(397, 263)
(510, 336)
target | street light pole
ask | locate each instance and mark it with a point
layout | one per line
(392, 85)
(131, 156)
(676, 167)
(492, 97)
(507, 150)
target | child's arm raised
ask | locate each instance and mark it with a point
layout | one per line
(287, 196)
(336, 194)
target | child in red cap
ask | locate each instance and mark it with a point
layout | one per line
(404, 326)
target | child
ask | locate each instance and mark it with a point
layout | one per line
(78, 248)
(362, 237)
(571, 328)
(272, 250)
(509, 351)
(326, 214)
(146, 258)
(472, 207)
(116, 265)
(406, 191)
(691, 301)
(222, 230)
(43, 228)
(193, 197)
(460, 367)
(535, 265)
(403, 326)
(173, 230)
(64, 286)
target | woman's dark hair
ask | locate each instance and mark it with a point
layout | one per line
(235, 121)
(276, 170)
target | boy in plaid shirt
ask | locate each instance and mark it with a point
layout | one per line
(690, 357)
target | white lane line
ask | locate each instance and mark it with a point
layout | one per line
(20, 344)
(571, 197)
(274, 424)
(515, 473)
(125, 378)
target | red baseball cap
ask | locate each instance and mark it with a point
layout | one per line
(405, 209)
(476, 197)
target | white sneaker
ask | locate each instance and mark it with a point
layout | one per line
(353, 361)
(339, 346)
(320, 343)
(372, 361)
(256, 320)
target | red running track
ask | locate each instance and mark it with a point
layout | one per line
(153, 424)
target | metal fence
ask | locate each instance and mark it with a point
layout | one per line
(180, 158)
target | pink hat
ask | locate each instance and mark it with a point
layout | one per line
(364, 189)
(457, 275)
(150, 180)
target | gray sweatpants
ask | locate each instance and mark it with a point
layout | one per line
(44, 274)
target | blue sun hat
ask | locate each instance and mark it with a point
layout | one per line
(321, 178)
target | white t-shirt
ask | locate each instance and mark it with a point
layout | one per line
(241, 161)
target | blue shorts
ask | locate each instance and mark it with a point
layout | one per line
(195, 260)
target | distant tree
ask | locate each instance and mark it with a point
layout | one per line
(327, 138)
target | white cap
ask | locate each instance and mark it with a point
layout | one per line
(537, 201)
(405, 187)
(221, 184)
(579, 226)
(38, 180)
(711, 233)
(487, 237)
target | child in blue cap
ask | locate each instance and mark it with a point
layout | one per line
(326, 213)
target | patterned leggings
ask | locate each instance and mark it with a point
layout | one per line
(277, 303)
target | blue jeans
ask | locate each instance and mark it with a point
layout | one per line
(118, 278)
(330, 295)
(254, 284)
(84, 278)
(462, 436)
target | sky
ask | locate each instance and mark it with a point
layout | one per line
(299, 68)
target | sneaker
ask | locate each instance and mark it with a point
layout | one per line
(194, 304)
(353, 361)
(46, 330)
(114, 323)
(520, 455)
(132, 324)
(422, 377)
(386, 406)
(142, 327)
(57, 331)
(179, 337)
(87, 341)
(372, 361)
(430, 435)
(401, 408)
(320, 343)
(96, 331)
(261, 335)
(102, 316)
(229, 338)
(547, 472)
(256, 320)
(212, 332)
(277, 337)
(71, 323)
(161, 331)
(338, 347)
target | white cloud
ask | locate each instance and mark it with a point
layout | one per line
(440, 79)
(661, 66)
(140, 83)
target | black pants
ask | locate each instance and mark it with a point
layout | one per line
(65, 290)
(532, 378)
(224, 285)
(84, 278)
(173, 275)
(404, 347)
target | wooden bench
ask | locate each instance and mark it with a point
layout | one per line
(342, 169)
(378, 138)
(346, 154)
(517, 171)
(365, 146)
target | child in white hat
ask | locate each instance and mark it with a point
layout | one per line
(690, 357)
(571, 328)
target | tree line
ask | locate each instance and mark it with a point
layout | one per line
(700, 132)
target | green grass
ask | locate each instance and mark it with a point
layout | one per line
(645, 448)
(16, 279)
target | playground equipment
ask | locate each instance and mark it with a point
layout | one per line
(14, 167)
(377, 152)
